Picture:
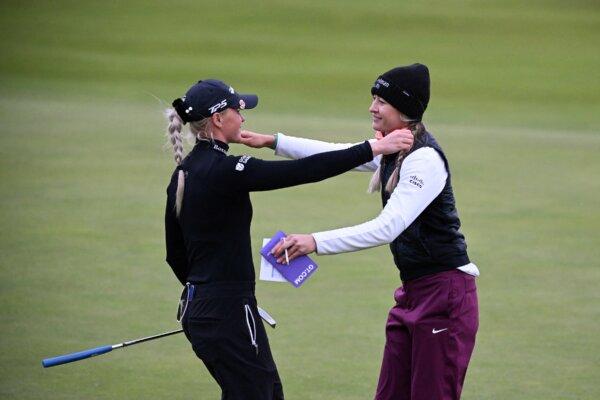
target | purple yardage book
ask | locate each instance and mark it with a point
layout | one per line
(299, 270)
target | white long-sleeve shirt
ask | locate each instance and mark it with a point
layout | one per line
(422, 177)
(295, 148)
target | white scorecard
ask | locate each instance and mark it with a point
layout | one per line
(267, 272)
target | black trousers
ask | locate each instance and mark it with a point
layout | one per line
(226, 332)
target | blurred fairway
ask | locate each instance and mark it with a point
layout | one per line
(83, 169)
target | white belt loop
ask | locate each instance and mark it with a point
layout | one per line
(251, 330)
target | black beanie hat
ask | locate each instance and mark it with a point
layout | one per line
(405, 88)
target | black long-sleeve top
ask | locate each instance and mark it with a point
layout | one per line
(210, 241)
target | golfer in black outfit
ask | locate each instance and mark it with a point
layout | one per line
(207, 226)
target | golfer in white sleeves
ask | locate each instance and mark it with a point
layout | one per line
(430, 332)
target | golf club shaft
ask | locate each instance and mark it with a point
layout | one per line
(96, 351)
(141, 340)
(80, 355)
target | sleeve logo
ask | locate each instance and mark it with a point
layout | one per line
(242, 163)
(415, 180)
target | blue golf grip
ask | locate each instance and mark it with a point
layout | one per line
(80, 355)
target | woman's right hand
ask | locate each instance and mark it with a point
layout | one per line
(256, 140)
(393, 142)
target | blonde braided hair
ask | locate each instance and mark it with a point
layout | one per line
(174, 134)
(199, 130)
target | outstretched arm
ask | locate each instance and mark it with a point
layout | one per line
(408, 200)
(249, 174)
(296, 148)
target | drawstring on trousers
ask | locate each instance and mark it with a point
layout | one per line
(188, 290)
(251, 330)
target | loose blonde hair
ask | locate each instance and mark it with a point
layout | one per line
(201, 129)
(416, 128)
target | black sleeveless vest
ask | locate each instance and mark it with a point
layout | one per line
(432, 243)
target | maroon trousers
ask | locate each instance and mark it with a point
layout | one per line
(430, 335)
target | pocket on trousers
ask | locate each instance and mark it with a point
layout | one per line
(456, 295)
(205, 321)
(210, 312)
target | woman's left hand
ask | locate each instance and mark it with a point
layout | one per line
(256, 140)
(296, 245)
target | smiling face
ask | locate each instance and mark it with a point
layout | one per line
(386, 118)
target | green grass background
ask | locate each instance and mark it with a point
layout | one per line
(83, 168)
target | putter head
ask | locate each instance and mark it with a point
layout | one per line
(267, 318)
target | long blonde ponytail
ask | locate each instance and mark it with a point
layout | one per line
(174, 133)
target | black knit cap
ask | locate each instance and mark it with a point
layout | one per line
(406, 88)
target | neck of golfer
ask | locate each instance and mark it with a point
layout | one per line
(401, 126)
(218, 134)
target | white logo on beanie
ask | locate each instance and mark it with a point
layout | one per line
(384, 83)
